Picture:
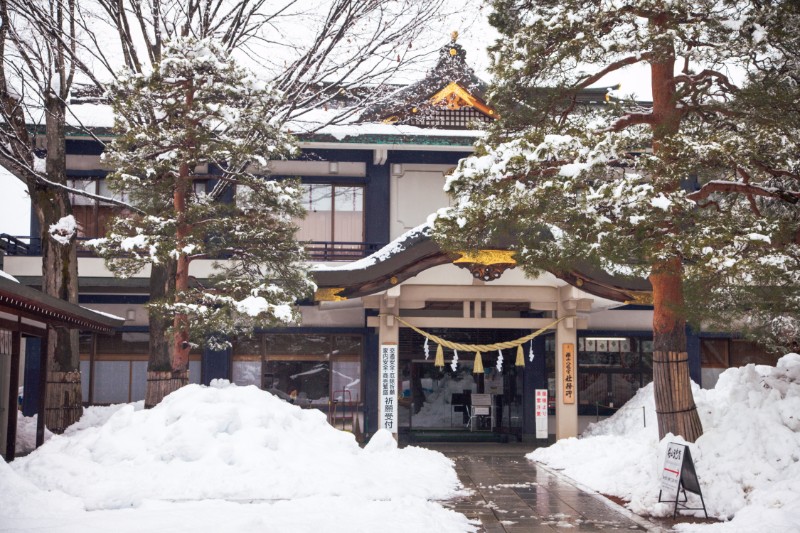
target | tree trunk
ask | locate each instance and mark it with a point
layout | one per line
(160, 379)
(180, 328)
(675, 407)
(59, 277)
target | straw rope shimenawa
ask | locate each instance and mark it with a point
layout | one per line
(506, 345)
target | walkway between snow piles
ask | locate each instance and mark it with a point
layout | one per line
(513, 495)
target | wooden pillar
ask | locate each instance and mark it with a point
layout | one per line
(42, 388)
(566, 341)
(389, 333)
(13, 394)
(92, 356)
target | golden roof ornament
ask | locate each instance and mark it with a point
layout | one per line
(487, 265)
(453, 38)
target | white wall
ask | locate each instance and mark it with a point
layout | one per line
(416, 192)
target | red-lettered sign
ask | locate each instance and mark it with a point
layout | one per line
(541, 413)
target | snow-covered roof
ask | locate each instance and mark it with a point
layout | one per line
(46, 308)
(415, 251)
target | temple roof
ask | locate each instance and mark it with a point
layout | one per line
(450, 84)
(18, 299)
(415, 251)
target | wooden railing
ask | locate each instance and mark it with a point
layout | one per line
(340, 250)
(318, 251)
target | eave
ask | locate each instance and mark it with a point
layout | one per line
(417, 251)
(23, 301)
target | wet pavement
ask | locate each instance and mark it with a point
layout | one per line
(510, 494)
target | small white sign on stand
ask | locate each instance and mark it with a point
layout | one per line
(541, 413)
(679, 475)
(673, 464)
(388, 390)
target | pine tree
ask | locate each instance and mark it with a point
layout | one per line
(687, 191)
(199, 113)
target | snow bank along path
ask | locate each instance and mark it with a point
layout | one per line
(223, 442)
(748, 459)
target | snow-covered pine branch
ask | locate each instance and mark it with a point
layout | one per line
(207, 119)
(624, 188)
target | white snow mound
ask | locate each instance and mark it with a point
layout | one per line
(747, 460)
(233, 443)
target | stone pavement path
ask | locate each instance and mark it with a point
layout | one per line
(512, 495)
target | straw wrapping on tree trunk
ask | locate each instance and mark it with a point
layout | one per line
(162, 383)
(63, 405)
(674, 401)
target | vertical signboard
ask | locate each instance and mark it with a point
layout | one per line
(388, 390)
(673, 464)
(568, 387)
(541, 413)
(679, 474)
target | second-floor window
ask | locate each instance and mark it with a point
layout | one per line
(91, 215)
(335, 214)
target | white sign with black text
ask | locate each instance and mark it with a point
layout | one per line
(673, 464)
(388, 388)
(541, 413)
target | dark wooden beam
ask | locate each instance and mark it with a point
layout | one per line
(13, 395)
(42, 388)
(30, 329)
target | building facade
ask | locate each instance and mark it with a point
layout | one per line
(369, 188)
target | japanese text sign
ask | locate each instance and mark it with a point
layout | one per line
(568, 390)
(388, 388)
(541, 413)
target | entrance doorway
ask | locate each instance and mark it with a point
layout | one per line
(454, 403)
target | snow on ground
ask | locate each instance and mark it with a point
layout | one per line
(26, 434)
(747, 460)
(224, 458)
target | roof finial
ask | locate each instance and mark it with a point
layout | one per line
(454, 36)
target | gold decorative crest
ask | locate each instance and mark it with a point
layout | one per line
(487, 265)
(488, 257)
(329, 294)
(640, 298)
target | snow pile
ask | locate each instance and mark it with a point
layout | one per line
(232, 443)
(26, 434)
(22, 499)
(748, 459)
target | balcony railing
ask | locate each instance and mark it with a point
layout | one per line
(13, 245)
(341, 250)
(318, 251)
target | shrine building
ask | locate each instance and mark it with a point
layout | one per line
(365, 352)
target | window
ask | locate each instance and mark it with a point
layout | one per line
(714, 353)
(334, 220)
(116, 367)
(611, 370)
(246, 364)
(743, 353)
(464, 118)
(91, 216)
(313, 369)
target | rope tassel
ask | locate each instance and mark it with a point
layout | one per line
(477, 368)
(439, 360)
(520, 356)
